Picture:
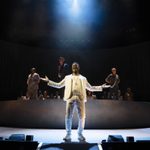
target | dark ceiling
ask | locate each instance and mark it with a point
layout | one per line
(111, 23)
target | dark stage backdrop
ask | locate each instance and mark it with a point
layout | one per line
(132, 62)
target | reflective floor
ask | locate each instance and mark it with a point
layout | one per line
(92, 136)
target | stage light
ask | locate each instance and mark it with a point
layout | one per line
(29, 137)
(130, 139)
(75, 7)
(75, 20)
(17, 137)
(115, 138)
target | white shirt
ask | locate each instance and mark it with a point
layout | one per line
(76, 90)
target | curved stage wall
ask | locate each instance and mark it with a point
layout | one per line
(101, 114)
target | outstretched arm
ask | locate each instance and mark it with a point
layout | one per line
(96, 88)
(54, 84)
(46, 79)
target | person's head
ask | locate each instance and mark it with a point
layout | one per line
(128, 89)
(75, 68)
(45, 93)
(89, 93)
(113, 70)
(33, 70)
(61, 60)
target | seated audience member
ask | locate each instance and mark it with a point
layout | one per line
(45, 95)
(90, 95)
(128, 96)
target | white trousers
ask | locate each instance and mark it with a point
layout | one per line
(71, 105)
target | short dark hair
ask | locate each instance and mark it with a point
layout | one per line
(61, 58)
(75, 63)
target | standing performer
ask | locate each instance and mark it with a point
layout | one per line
(62, 68)
(75, 96)
(33, 84)
(114, 80)
(62, 72)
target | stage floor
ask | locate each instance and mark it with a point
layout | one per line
(92, 136)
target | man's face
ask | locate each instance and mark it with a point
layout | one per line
(61, 62)
(114, 71)
(75, 68)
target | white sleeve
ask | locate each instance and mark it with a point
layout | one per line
(56, 85)
(93, 88)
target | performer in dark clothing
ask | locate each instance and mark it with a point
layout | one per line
(113, 80)
(63, 70)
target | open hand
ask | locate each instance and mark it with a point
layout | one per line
(105, 85)
(46, 79)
